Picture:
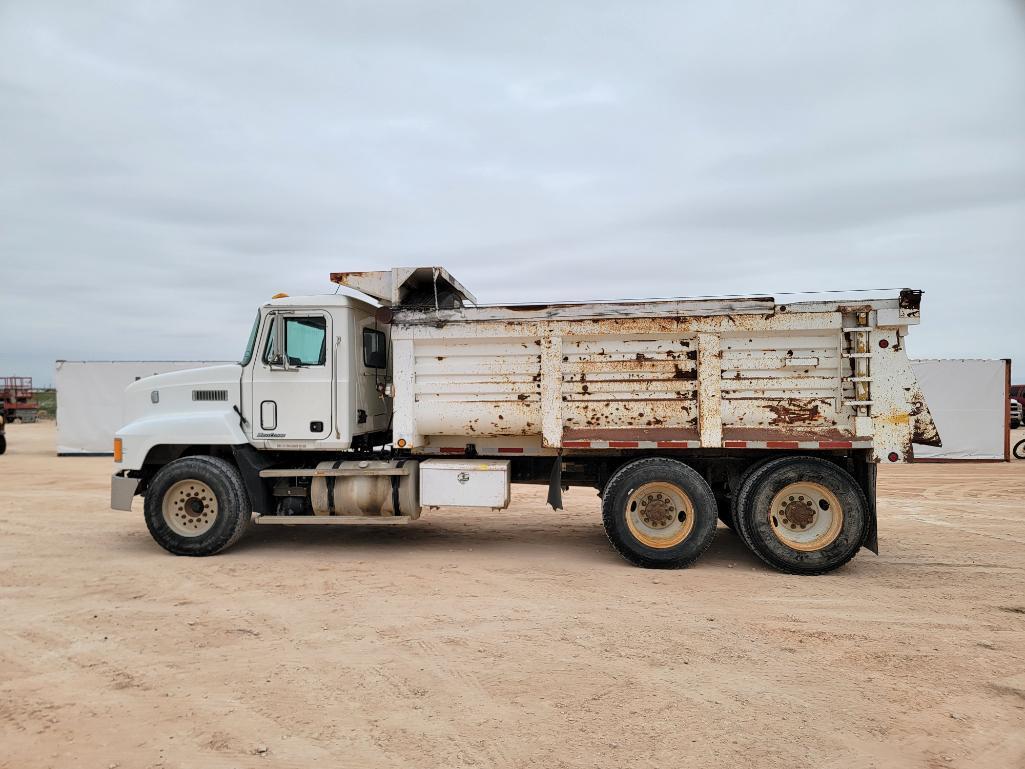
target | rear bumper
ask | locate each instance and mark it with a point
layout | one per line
(122, 489)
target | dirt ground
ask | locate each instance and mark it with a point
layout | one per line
(508, 639)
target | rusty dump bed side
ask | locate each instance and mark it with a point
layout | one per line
(677, 374)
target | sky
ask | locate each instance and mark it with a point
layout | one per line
(167, 166)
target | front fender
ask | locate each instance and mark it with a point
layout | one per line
(214, 428)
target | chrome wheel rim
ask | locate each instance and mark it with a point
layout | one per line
(659, 515)
(190, 508)
(806, 516)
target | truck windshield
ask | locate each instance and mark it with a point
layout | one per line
(248, 355)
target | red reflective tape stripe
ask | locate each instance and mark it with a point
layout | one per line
(672, 444)
(511, 450)
(576, 444)
(835, 445)
(452, 450)
(622, 444)
(735, 444)
(782, 444)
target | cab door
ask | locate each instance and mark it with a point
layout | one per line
(292, 378)
(373, 413)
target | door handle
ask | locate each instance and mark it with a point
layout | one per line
(268, 415)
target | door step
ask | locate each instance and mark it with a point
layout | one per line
(337, 520)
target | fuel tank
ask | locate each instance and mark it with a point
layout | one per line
(369, 487)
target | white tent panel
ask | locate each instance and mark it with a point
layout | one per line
(89, 399)
(968, 401)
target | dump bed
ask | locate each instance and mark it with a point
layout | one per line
(678, 374)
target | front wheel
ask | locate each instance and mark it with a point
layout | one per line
(802, 515)
(1019, 450)
(659, 513)
(197, 506)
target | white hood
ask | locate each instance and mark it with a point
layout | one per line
(195, 389)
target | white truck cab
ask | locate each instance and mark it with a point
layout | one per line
(308, 380)
(771, 417)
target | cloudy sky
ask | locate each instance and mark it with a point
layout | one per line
(166, 166)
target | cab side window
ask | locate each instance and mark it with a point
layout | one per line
(305, 341)
(375, 352)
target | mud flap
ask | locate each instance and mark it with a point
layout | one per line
(872, 536)
(868, 483)
(555, 485)
(250, 462)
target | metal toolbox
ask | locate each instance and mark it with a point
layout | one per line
(464, 483)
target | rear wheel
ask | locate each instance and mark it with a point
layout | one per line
(3, 444)
(802, 515)
(197, 506)
(659, 513)
(736, 494)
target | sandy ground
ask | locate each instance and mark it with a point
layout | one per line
(505, 639)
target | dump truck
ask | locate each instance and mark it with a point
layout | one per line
(771, 416)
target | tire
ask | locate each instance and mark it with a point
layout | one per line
(735, 497)
(1015, 424)
(1019, 450)
(197, 506)
(3, 444)
(683, 513)
(829, 519)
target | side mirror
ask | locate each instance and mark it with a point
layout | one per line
(279, 361)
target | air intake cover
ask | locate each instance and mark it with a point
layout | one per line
(209, 395)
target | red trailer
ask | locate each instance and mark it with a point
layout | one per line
(17, 399)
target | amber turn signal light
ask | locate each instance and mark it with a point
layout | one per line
(117, 449)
